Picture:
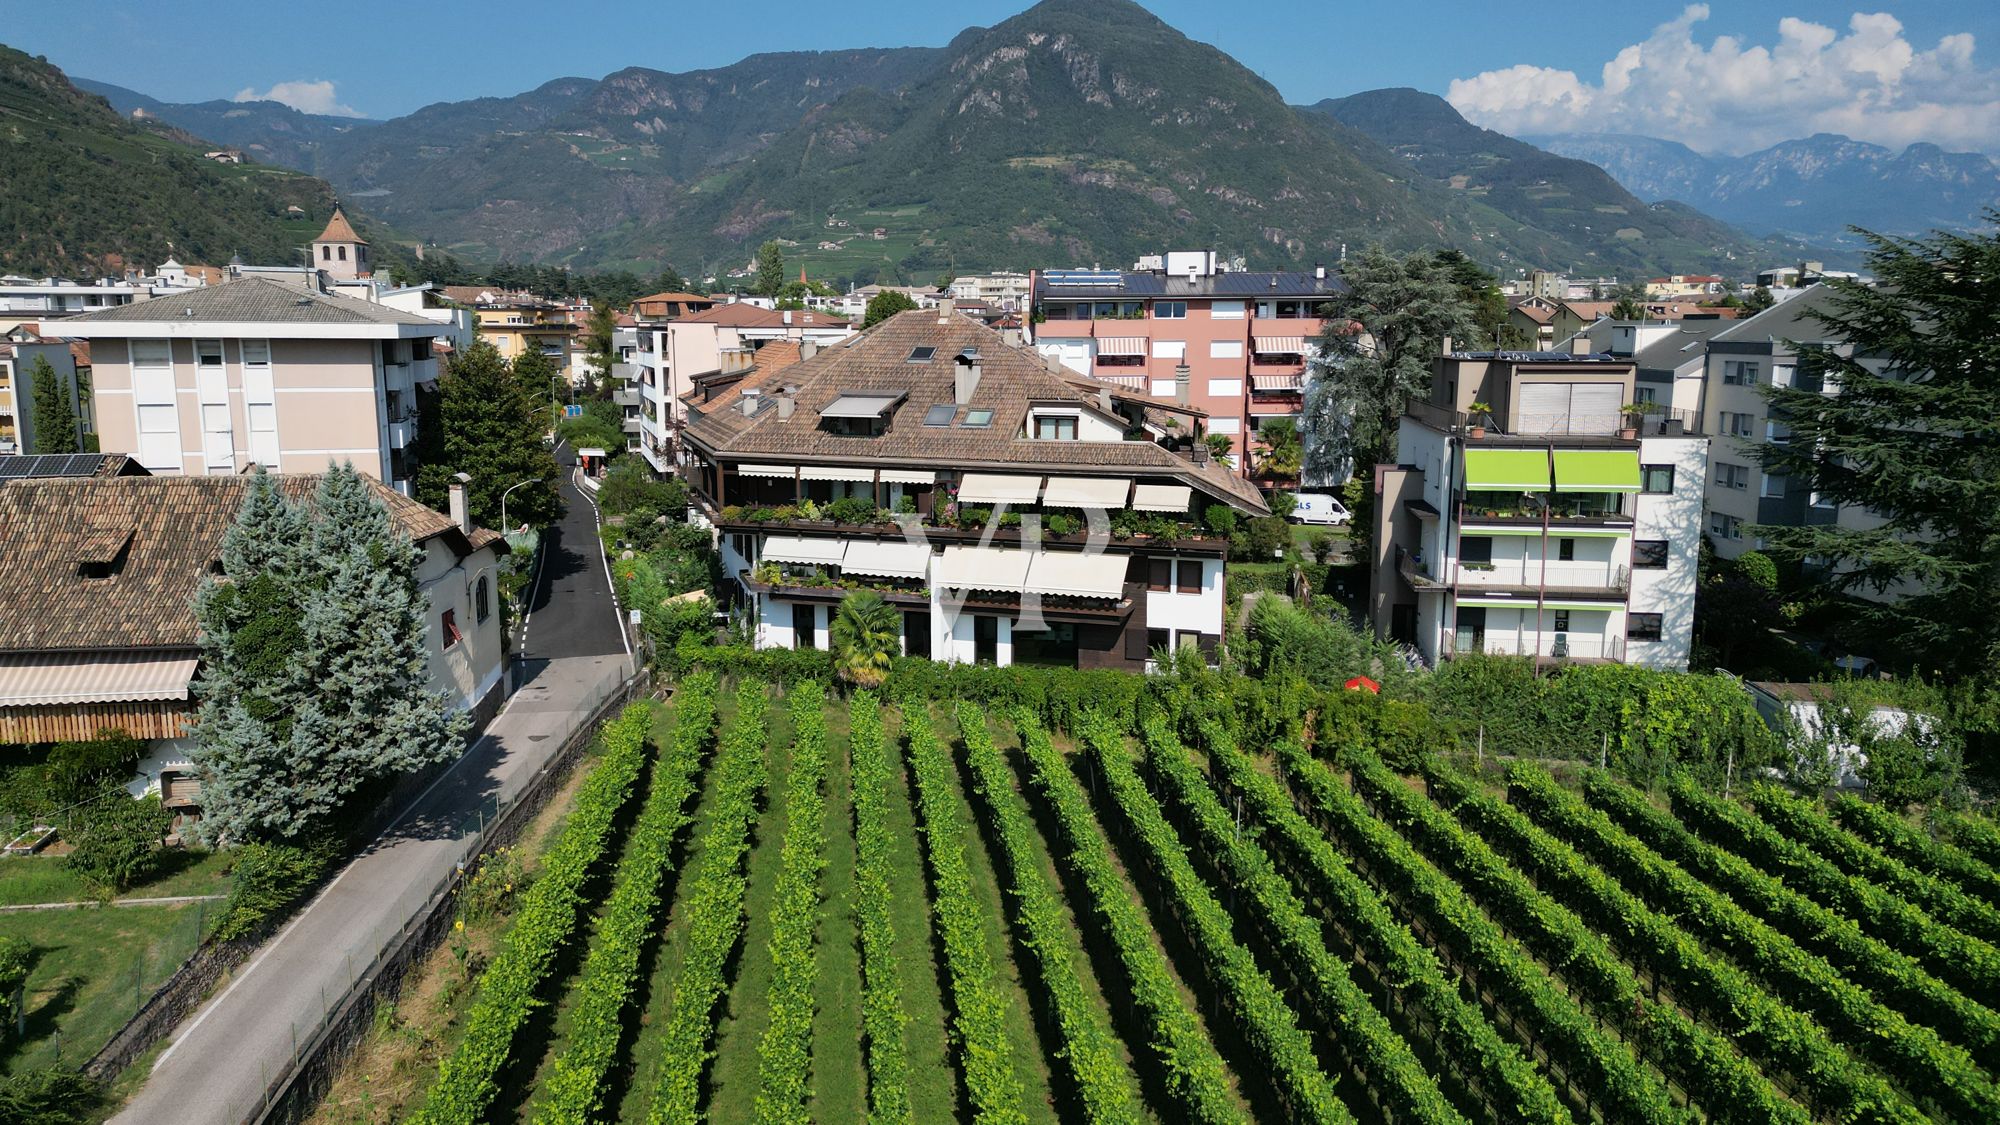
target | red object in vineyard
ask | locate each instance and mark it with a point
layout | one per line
(1363, 683)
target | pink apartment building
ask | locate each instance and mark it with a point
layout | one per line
(1179, 328)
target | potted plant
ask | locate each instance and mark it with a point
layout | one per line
(1632, 412)
(1479, 413)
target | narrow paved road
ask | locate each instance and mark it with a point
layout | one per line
(218, 1064)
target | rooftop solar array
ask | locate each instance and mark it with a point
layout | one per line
(52, 465)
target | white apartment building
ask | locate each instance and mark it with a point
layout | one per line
(253, 371)
(1003, 290)
(1554, 525)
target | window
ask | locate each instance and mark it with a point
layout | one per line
(1649, 554)
(1820, 500)
(326, 253)
(1772, 487)
(1169, 310)
(1562, 621)
(1190, 572)
(977, 419)
(1476, 549)
(1645, 394)
(1644, 626)
(1783, 375)
(1158, 640)
(805, 626)
(1566, 550)
(1724, 527)
(1164, 388)
(343, 253)
(1732, 476)
(1657, 480)
(448, 628)
(1777, 433)
(1225, 310)
(208, 354)
(1170, 349)
(419, 349)
(1160, 575)
(1225, 425)
(481, 604)
(1225, 349)
(1225, 388)
(1057, 427)
(922, 354)
(1739, 373)
(1738, 425)
(940, 415)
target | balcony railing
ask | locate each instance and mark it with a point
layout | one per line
(1554, 575)
(1417, 574)
(1551, 645)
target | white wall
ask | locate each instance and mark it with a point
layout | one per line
(1677, 518)
(1197, 613)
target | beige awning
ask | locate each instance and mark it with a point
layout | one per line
(984, 568)
(994, 488)
(892, 558)
(1086, 492)
(94, 677)
(860, 405)
(766, 470)
(1077, 575)
(1279, 345)
(1161, 498)
(799, 549)
(837, 472)
(908, 476)
(1122, 345)
(1277, 382)
(1127, 382)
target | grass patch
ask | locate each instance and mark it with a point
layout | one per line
(31, 879)
(840, 1083)
(94, 966)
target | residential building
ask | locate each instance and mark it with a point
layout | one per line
(1044, 518)
(97, 621)
(55, 296)
(1571, 317)
(668, 357)
(1553, 525)
(854, 303)
(1548, 286)
(670, 305)
(1231, 344)
(1801, 276)
(339, 252)
(1534, 318)
(1004, 290)
(214, 380)
(19, 349)
(517, 323)
(1692, 284)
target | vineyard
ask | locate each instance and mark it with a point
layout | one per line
(792, 905)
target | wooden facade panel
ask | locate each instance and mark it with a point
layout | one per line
(77, 721)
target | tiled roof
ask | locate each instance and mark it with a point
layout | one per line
(877, 361)
(69, 465)
(1588, 310)
(1536, 313)
(1679, 346)
(338, 230)
(168, 529)
(670, 295)
(253, 299)
(1786, 320)
(744, 315)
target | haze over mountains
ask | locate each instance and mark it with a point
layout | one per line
(1075, 132)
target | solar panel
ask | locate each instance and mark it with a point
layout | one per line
(36, 465)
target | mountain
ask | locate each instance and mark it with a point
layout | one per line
(1573, 201)
(1812, 188)
(83, 190)
(270, 132)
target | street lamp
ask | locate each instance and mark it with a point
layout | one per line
(503, 502)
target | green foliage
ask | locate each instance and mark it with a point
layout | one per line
(1760, 299)
(882, 1015)
(1220, 519)
(55, 417)
(979, 1007)
(54, 1095)
(1284, 639)
(17, 956)
(1219, 445)
(117, 843)
(1260, 538)
(1628, 301)
(864, 634)
(489, 426)
(610, 974)
(784, 1054)
(884, 305)
(267, 880)
(1901, 840)
(850, 509)
(582, 432)
(1282, 503)
(630, 485)
(770, 270)
(468, 1077)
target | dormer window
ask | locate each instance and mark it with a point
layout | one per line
(1055, 427)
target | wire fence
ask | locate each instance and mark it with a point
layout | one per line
(98, 1002)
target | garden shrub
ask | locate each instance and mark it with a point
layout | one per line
(851, 510)
(51, 1095)
(1221, 519)
(268, 880)
(16, 958)
(118, 841)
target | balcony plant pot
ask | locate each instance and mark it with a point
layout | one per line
(1628, 433)
(1476, 431)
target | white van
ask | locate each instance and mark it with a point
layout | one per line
(1319, 507)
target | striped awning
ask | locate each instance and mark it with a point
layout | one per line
(908, 476)
(766, 470)
(1077, 575)
(1279, 345)
(995, 488)
(1086, 492)
(1291, 382)
(799, 549)
(984, 568)
(32, 680)
(1129, 382)
(889, 558)
(837, 472)
(1161, 498)
(1122, 345)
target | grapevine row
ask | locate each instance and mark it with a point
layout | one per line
(1103, 1082)
(714, 915)
(1372, 1047)
(1806, 822)
(1968, 963)
(1628, 1092)
(1461, 1031)
(990, 1080)
(784, 1054)
(467, 1078)
(882, 1015)
(1266, 1020)
(1900, 839)
(1978, 835)
(1192, 1069)
(1888, 972)
(1785, 1038)
(573, 1093)
(1910, 1054)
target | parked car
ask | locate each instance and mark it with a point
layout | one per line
(1318, 507)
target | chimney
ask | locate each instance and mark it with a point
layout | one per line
(1446, 349)
(1104, 401)
(1579, 344)
(807, 350)
(786, 404)
(1319, 272)
(1011, 337)
(965, 376)
(788, 316)
(1183, 377)
(459, 515)
(944, 312)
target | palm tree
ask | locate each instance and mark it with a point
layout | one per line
(865, 634)
(1284, 451)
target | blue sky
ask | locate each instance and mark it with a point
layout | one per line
(1522, 68)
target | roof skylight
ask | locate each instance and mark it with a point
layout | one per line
(940, 415)
(977, 419)
(922, 353)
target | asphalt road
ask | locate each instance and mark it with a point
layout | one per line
(218, 1064)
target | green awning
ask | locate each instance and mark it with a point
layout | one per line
(1510, 470)
(1597, 470)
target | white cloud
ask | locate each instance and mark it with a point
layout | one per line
(1732, 96)
(306, 97)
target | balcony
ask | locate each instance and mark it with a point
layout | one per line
(402, 434)
(1527, 510)
(1552, 646)
(651, 392)
(625, 396)
(1555, 577)
(1416, 573)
